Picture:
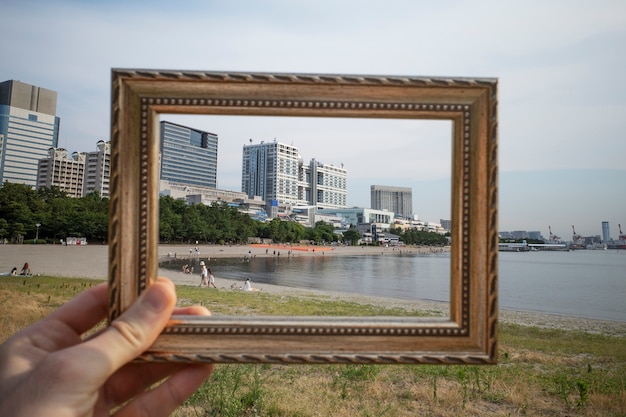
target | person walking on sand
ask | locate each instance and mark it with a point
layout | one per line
(203, 274)
(211, 278)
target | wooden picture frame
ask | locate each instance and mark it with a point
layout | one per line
(468, 336)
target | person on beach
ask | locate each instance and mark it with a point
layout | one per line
(12, 273)
(50, 369)
(247, 286)
(203, 274)
(25, 269)
(211, 278)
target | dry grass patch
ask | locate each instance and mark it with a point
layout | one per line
(542, 372)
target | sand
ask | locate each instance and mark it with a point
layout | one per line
(91, 262)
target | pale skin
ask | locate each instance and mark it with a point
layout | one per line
(47, 369)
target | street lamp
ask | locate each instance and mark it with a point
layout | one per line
(37, 234)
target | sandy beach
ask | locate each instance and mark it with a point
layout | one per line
(91, 261)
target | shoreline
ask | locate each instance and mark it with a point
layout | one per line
(91, 262)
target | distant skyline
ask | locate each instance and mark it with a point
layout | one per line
(560, 65)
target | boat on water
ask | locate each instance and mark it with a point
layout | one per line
(596, 246)
(616, 244)
(532, 247)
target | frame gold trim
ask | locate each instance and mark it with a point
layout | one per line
(469, 335)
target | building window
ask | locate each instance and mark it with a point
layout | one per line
(32, 117)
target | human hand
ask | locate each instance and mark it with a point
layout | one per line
(48, 370)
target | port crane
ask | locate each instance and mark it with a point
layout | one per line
(622, 236)
(577, 240)
(553, 238)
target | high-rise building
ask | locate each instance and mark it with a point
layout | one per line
(276, 172)
(98, 169)
(325, 185)
(395, 199)
(270, 170)
(606, 235)
(61, 170)
(188, 156)
(29, 127)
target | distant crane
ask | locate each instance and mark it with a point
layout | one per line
(577, 240)
(553, 238)
(622, 236)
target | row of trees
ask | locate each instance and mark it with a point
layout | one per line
(60, 216)
(421, 237)
(22, 208)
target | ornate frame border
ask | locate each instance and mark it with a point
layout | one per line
(468, 336)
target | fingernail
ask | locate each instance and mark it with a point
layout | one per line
(155, 298)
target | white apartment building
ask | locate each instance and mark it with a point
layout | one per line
(98, 169)
(61, 170)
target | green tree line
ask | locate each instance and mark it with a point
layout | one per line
(420, 237)
(60, 216)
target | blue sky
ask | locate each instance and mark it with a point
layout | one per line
(560, 65)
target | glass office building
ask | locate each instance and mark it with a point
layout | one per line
(188, 156)
(29, 127)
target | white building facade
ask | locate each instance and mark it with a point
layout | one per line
(324, 185)
(277, 174)
(61, 170)
(271, 170)
(98, 170)
(396, 199)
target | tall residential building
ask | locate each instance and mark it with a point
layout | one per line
(396, 199)
(324, 185)
(276, 172)
(29, 127)
(98, 169)
(270, 170)
(62, 171)
(188, 156)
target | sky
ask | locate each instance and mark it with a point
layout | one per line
(560, 67)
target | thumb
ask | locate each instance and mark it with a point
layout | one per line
(137, 328)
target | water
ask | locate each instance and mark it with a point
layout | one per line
(582, 283)
(587, 283)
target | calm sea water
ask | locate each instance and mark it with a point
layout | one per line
(581, 283)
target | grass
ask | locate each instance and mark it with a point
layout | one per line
(541, 372)
(221, 302)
